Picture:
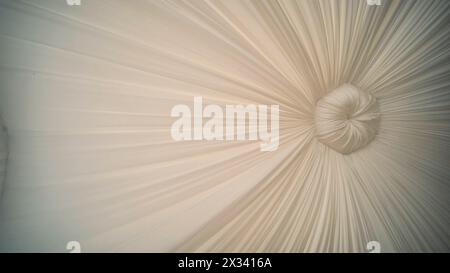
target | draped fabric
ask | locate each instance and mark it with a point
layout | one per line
(3, 153)
(363, 91)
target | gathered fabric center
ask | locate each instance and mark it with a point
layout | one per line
(346, 119)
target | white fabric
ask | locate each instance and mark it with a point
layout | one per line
(87, 91)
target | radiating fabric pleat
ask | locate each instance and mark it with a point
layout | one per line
(86, 93)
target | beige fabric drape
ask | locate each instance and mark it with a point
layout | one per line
(3, 153)
(86, 93)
